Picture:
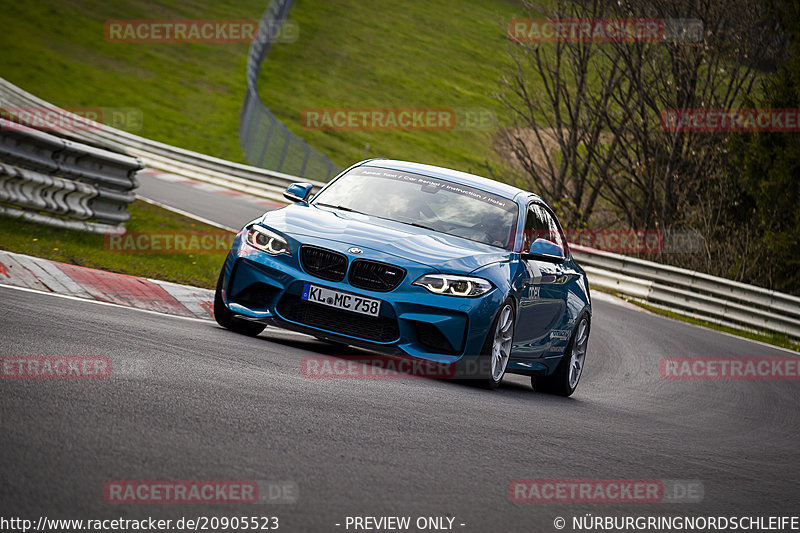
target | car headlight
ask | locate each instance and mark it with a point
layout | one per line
(267, 241)
(454, 285)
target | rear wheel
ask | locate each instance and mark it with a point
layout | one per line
(225, 318)
(488, 369)
(564, 380)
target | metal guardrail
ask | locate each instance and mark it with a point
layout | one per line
(79, 186)
(159, 156)
(265, 140)
(682, 291)
(692, 293)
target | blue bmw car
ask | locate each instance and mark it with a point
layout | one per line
(419, 261)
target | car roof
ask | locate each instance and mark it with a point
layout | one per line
(456, 176)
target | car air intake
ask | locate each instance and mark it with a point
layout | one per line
(380, 328)
(432, 338)
(255, 296)
(322, 263)
(375, 276)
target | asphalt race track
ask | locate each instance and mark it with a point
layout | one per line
(188, 400)
(228, 211)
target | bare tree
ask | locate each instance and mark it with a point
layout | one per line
(586, 115)
(559, 107)
(658, 170)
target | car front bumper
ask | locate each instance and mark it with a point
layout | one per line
(412, 321)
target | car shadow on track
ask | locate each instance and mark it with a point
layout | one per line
(327, 360)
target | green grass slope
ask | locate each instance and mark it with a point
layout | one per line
(349, 54)
(352, 54)
(190, 94)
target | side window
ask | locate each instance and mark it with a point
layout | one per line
(555, 233)
(536, 226)
(540, 224)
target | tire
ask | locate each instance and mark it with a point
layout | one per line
(487, 370)
(565, 379)
(225, 318)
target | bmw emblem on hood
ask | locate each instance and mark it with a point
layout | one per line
(354, 251)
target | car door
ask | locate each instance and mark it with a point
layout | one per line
(543, 296)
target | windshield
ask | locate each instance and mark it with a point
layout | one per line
(432, 203)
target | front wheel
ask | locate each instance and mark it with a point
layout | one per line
(564, 380)
(490, 367)
(225, 318)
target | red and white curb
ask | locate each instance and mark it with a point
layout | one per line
(130, 291)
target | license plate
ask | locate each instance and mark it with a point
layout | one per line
(341, 300)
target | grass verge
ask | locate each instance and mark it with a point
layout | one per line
(90, 250)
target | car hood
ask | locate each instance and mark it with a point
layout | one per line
(442, 252)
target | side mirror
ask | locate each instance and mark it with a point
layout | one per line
(297, 192)
(544, 250)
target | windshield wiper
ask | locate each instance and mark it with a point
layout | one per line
(350, 210)
(423, 226)
(340, 207)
